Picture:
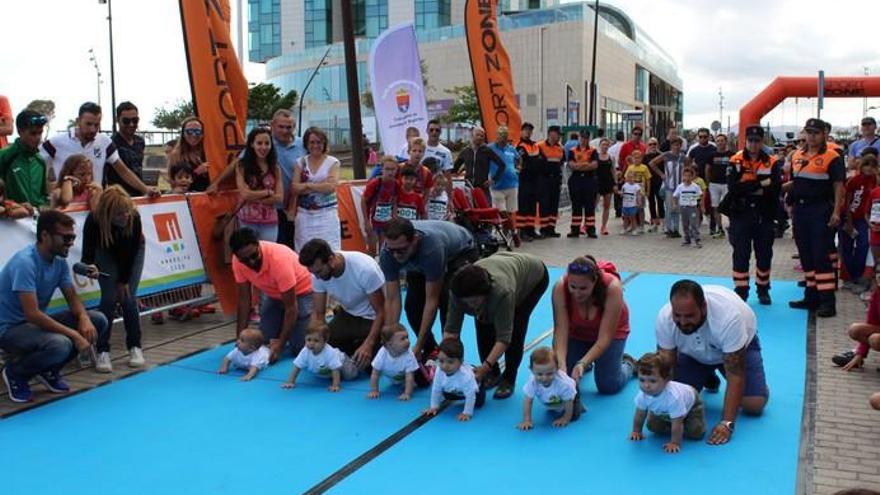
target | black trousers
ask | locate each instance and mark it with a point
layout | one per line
(815, 240)
(522, 312)
(285, 229)
(549, 201)
(750, 229)
(529, 195)
(655, 202)
(414, 302)
(582, 191)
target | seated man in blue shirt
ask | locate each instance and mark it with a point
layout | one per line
(40, 345)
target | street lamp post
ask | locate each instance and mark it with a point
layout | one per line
(112, 72)
(302, 97)
(97, 72)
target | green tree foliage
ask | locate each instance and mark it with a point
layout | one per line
(172, 118)
(265, 99)
(465, 109)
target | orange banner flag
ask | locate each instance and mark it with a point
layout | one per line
(493, 75)
(220, 92)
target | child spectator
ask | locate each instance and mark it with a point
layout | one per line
(76, 184)
(853, 234)
(379, 201)
(410, 204)
(633, 199)
(556, 390)
(687, 198)
(668, 405)
(248, 354)
(866, 335)
(411, 133)
(395, 360)
(181, 177)
(10, 209)
(438, 199)
(643, 178)
(321, 359)
(455, 382)
(424, 178)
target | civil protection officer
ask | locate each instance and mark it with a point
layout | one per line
(754, 180)
(552, 157)
(583, 186)
(816, 194)
(530, 184)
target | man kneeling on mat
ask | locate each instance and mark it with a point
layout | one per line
(702, 329)
(669, 406)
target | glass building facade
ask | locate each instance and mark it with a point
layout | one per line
(319, 22)
(432, 14)
(370, 17)
(264, 29)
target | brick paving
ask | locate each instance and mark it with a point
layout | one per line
(840, 444)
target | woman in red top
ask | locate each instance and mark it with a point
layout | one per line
(591, 324)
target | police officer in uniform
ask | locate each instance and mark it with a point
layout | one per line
(530, 184)
(816, 194)
(754, 179)
(583, 186)
(552, 157)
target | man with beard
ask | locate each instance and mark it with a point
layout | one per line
(355, 281)
(702, 329)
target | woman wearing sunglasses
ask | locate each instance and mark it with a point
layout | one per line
(591, 324)
(191, 149)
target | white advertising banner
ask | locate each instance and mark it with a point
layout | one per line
(172, 257)
(396, 81)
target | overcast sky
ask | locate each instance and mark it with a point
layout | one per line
(740, 46)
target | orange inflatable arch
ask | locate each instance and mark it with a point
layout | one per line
(803, 87)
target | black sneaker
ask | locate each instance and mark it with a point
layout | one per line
(503, 391)
(802, 283)
(826, 310)
(802, 304)
(764, 297)
(843, 358)
(676, 234)
(19, 390)
(54, 382)
(713, 384)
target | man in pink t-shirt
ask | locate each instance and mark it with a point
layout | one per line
(5, 121)
(286, 287)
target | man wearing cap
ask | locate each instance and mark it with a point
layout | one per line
(815, 192)
(869, 139)
(21, 168)
(753, 180)
(583, 186)
(529, 183)
(552, 157)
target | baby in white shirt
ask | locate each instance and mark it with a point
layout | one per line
(454, 381)
(556, 390)
(668, 405)
(248, 354)
(322, 359)
(395, 360)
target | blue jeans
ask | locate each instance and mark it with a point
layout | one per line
(34, 350)
(131, 317)
(854, 251)
(272, 318)
(610, 371)
(265, 231)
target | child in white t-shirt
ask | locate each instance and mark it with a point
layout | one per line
(438, 199)
(395, 360)
(454, 381)
(633, 198)
(322, 359)
(556, 390)
(688, 198)
(248, 354)
(668, 405)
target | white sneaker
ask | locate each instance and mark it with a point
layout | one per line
(103, 364)
(136, 357)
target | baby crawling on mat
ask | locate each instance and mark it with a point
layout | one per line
(322, 359)
(248, 354)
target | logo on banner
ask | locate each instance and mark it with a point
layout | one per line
(402, 97)
(168, 232)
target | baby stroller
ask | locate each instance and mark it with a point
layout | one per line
(489, 228)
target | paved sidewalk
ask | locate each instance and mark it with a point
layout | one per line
(841, 439)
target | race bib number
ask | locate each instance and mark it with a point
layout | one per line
(407, 213)
(382, 213)
(875, 212)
